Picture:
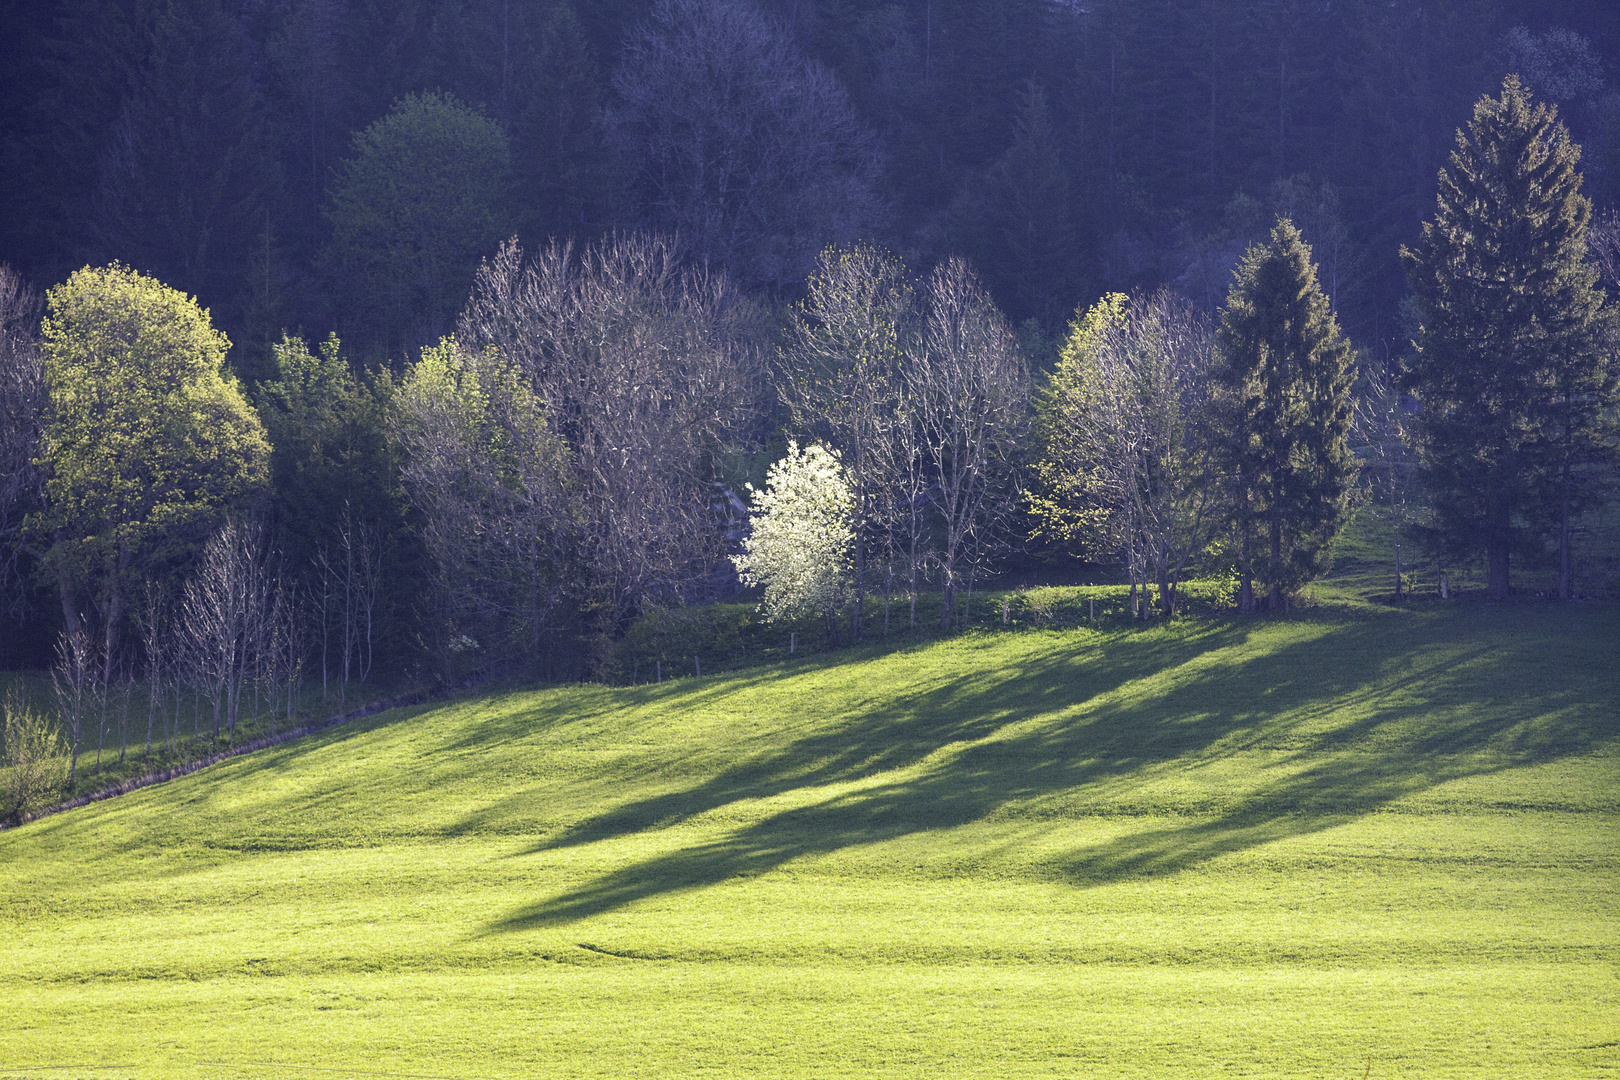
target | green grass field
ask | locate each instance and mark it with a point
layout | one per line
(1359, 838)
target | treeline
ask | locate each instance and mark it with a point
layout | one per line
(574, 453)
(339, 165)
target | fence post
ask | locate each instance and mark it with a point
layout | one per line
(660, 664)
(697, 667)
(793, 642)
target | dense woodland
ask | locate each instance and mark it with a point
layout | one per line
(508, 306)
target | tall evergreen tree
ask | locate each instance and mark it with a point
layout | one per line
(1508, 367)
(1018, 225)
(187, 174)
(1286, 377)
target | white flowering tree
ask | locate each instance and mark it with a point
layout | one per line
(803, 533)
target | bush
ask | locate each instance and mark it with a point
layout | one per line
(36, 756)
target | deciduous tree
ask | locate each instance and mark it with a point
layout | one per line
(147, 445)
(423, 197)
(841, 378)
(489, 476)
(650, 372)
(1126, 438)
(737, 141)
(969, 387)
(801, 538)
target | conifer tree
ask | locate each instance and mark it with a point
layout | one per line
(1508, 369)
(1285, 379)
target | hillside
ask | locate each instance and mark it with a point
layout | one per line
(1224, 848)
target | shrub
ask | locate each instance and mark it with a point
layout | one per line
(36, 756)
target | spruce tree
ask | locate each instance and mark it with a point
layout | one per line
(1285, 378)
(1508, 369)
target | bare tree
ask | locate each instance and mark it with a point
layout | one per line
(71, 678)
(1603, 249)
(648, 372)
(738, 141)
(152, 620)
(225, 616)
(909, 469)
(287, 649)
(349, 570)
(489, 477)
(970, 388)
(1383, 445)
(22, 405)
(841, 381)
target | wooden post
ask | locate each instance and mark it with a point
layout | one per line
(793, 642)
(697, 667)
(1093, 601)
(660, 671)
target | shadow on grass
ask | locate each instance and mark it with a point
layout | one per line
(1356, 712)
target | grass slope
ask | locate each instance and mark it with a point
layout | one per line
(1220, 848)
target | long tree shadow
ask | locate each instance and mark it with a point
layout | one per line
(1413, 716)
(907, 728)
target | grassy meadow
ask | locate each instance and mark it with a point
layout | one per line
(1355, 841)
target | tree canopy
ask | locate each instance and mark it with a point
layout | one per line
(1286, 378)
(147, 443)
(1508, 365)
(423, 198)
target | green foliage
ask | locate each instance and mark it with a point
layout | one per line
(148, 442)
(665, 640)
(1059, 845)
(1510, 366)
(490, 481)
(328, 431)
(423, 197)
(1017, 222)
(34, 753)
(1286, 381)
(1063, 499)
(188, 181)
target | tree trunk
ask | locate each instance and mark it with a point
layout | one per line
(70, 618)
(947, 607)
(1246, 580)
(1274, 597)
(1395, 535)
(1566, 573)
(1496, 558)
(911, 570)
(860, 589)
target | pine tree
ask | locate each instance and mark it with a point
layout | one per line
(1508, 368)
(1285, 379)
(188, 175)
(1017, 223)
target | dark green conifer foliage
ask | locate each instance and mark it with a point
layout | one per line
(1017, 223)
(1507, 368)
(331, 451)
(1285, 379)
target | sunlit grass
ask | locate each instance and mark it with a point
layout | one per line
(1217, 848)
